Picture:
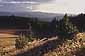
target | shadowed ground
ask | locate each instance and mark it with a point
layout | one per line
(40, 50)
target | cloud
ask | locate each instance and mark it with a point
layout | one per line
(61, 6)
(41, 1)
(21, 5)
(16, 6)
(15, 2)
(51, 6)
(1, 5)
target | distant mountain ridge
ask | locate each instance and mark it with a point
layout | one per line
(41, 15)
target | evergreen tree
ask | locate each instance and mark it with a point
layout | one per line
(66, 27)
(30, 32)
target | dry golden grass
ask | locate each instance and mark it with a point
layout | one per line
(7, 41)
(83, 37)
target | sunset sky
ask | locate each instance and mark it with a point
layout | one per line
(50, 6)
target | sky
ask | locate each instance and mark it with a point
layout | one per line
(49, 6)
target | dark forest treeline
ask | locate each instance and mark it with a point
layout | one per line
(13, 22)
(67, 25)
(16, 22)
(79, 21)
